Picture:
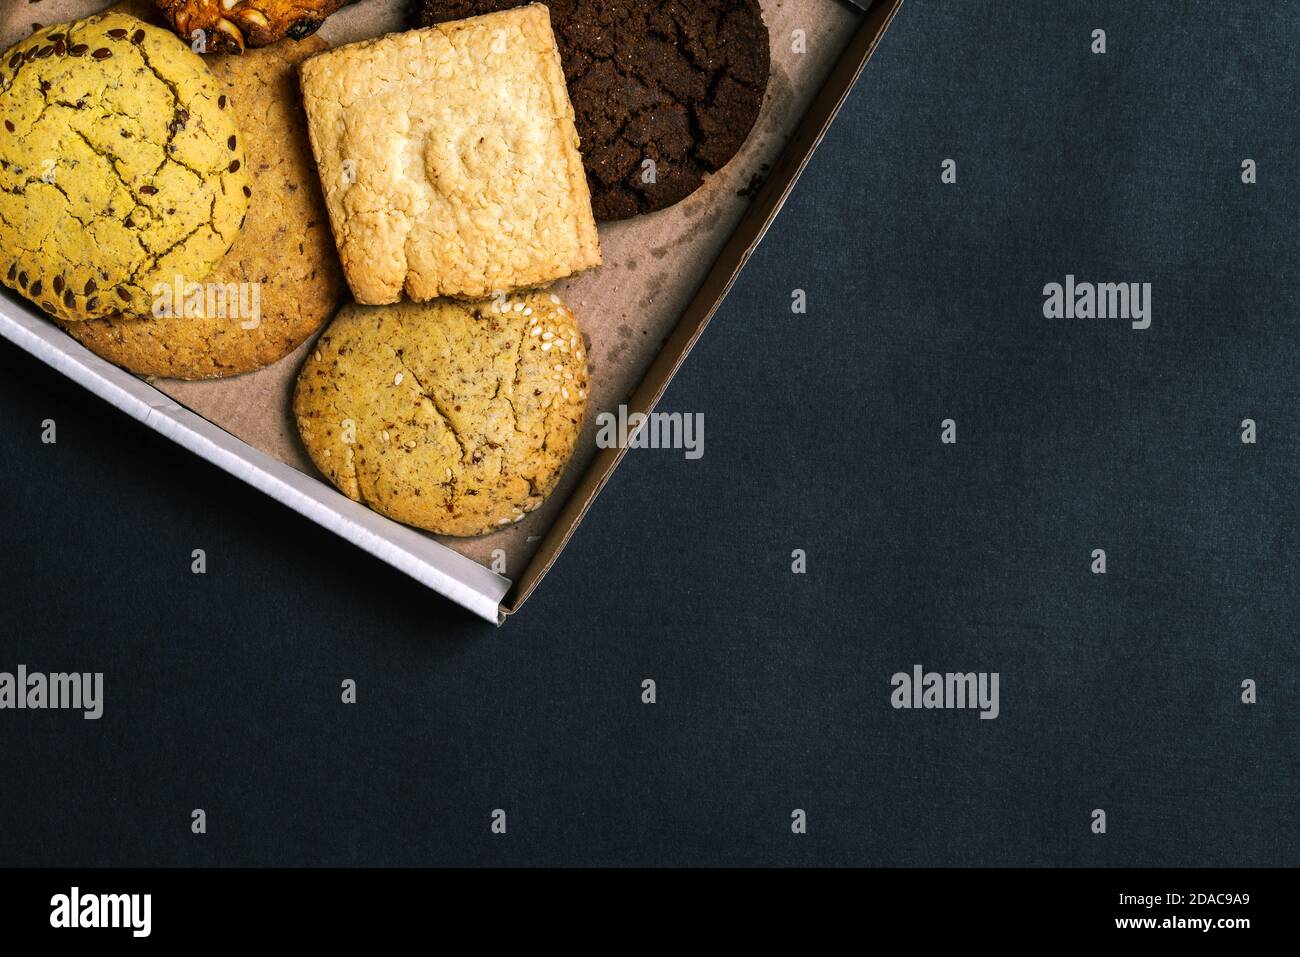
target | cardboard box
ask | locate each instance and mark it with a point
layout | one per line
(664, 278)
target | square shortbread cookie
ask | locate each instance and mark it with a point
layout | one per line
(449, 159)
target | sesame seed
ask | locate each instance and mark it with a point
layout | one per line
(537, 331)
(519, 307)
(397, 379)
(528, 310)
(545, 346)
(386, 435)
(564, 392)
(548, 336)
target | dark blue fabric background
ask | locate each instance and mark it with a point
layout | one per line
(1118, 692)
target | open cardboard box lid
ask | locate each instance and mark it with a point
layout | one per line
(664, 277)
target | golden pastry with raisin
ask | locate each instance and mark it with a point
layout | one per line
(228, 26)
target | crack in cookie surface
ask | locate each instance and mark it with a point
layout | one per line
(147, 171)
(285, 248)
(454, 417)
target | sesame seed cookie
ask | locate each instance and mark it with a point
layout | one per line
(121, 167)
(450, 161)
(455, 417)
(285, 247)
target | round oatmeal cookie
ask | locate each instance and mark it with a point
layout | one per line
(121, 167)
(281, 279)
(673, 83)
(451, 416)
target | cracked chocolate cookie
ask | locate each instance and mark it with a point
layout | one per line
(121, 167)
(282, 268)
(665, 91)
(454, 417)
(228, 26)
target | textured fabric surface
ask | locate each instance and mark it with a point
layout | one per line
(1119, 691)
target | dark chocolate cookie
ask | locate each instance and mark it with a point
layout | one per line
(665, 91)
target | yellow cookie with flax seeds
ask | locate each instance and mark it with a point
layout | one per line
(455, 417)
(283, 264)
(121, 167)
